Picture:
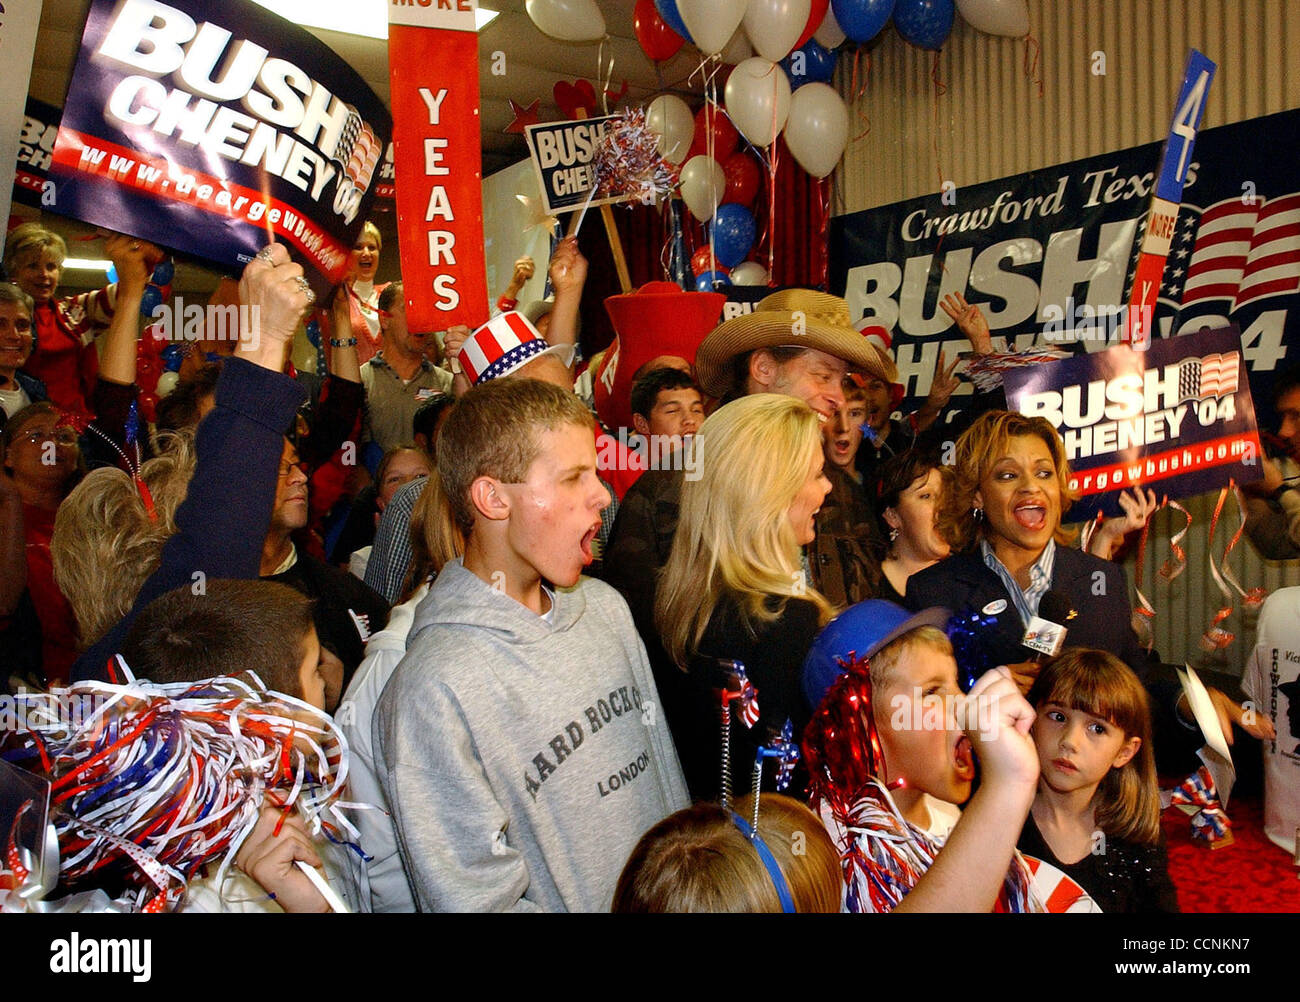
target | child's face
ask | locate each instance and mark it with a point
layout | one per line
(555, 512)
(923, 746)
(1076, 749)
(844, 437)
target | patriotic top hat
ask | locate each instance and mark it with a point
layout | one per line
(502, 345)
(658, 319)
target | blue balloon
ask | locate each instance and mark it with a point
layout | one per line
(150, 301)
(173, 355)
(862, 20)
(733, 231)
(816, 61)
(924, 23)
(163, 272)
(668, 11)
(708, 281)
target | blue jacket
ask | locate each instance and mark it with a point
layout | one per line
(224, 518)
(1096, 588)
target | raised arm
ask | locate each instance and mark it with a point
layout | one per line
(223, 520)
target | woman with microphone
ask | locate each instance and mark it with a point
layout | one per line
(1002, 504)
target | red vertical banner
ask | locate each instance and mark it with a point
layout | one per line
(438, 163)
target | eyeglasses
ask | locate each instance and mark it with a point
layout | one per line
(63, 436)
(286, 469)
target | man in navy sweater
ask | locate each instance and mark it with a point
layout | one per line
(223, 521)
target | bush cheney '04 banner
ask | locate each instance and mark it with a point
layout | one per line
(35, 151)
(1049, 255)
(563, 155)
(1176, 418)
(209, 126)
(433, 69)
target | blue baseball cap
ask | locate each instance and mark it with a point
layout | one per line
(858, 632)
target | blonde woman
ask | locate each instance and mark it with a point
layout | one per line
(734, 587)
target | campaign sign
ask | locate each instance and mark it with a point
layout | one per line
(1050, 256)
(211, 126)
(438, 151)
(563, 156)
(35, 151)
(1176, 418)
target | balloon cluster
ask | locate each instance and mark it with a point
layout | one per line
(154, 781)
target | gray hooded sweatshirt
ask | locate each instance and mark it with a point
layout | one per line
(523, 756)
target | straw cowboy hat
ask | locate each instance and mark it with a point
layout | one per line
(792, 318)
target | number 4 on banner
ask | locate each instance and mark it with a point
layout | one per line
(1162, 213)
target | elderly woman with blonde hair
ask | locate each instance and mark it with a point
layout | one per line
(735, 589)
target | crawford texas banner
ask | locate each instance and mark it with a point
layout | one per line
(1176, 418)
(210, 125)
(1049, 255)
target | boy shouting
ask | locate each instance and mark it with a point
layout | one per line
(520, 740)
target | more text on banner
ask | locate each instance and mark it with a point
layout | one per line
(433, 67)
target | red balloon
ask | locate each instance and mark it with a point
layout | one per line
(658, 41)
(743, 179)
(725, 136)
(815, 18)
(702, 261)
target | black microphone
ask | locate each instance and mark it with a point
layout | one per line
(1045, 634)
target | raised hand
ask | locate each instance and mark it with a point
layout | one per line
(970, 320)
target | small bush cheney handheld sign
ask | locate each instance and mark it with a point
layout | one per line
(211, 126)
(1176, 418)
(564, 154)
(35, 151)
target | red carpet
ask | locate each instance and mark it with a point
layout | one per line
(1252, 875)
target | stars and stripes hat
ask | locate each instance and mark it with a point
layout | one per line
(502, 345)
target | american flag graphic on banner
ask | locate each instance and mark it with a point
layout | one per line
(1212, 376)
(1234, 253)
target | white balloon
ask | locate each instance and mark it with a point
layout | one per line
(996, 17)
(568, 20)
(711, 22)
(749, 273)
(773, 26)
(670, 118)
(829, 35)
(166, 383)
(758, 99)
(818, 128)
(737, 50)
(703, 185)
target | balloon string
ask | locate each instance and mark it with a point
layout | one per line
(1253, 598)
(1216, 637)
(858, 94)
(1031, 67)
(605, 80)
(1145, 612)
(824, 223)
(770, 229)
(1175, 566)
(710, 110)
(940, 88)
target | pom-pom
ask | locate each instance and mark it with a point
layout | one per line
(152, 781)
(627, 163)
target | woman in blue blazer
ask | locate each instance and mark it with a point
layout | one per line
(1004, 497)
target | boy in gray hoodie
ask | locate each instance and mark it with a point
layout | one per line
(519, 743)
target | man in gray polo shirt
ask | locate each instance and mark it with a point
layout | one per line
(399, 378)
